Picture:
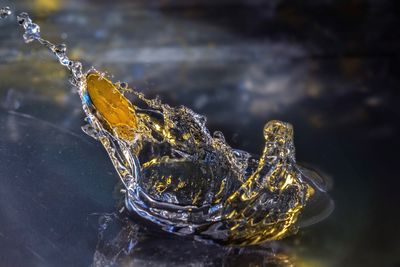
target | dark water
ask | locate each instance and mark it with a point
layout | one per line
(328, 68)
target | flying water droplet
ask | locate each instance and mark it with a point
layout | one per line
(5, 12)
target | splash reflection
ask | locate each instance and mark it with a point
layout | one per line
(123, 243)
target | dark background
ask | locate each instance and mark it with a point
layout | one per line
(328, 67)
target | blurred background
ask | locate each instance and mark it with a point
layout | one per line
(328, 67)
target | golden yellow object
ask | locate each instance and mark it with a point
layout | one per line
(115, 109)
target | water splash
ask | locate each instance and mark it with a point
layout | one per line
(179, 175)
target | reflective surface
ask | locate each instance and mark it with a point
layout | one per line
(330, 73)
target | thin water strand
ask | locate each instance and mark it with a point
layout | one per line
(32, 33)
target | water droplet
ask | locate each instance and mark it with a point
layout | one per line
(65, 61)
(32, 32)
(5, 12)
(61, 48)
(23, 19)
